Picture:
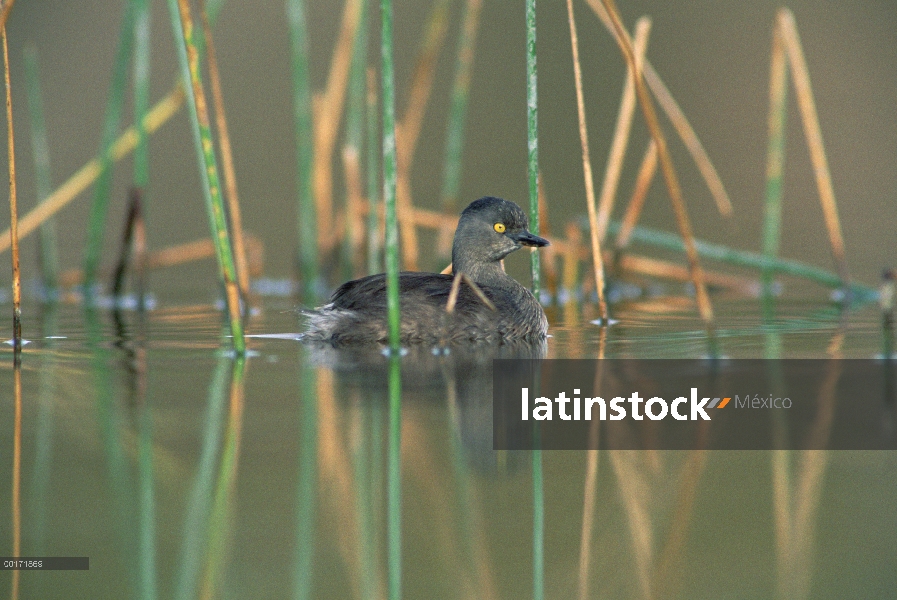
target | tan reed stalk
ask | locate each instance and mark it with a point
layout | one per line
(588, 517)
(621, 132)
(640, 191)
(677, 118)
(408, 128)
(804, 93)
(354, 205)
(590, 494)
(178, 255)
(669, 172)
(664, 269)
(690, 139)
(77, 183)
(570, 272)
(549, 253)
(13, 204)
(227, 158)
(597, 257)
(668, 571)
(327, 108)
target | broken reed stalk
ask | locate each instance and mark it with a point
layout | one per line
(622, 130)
(456, 288)
(643, 181)
(454, 139)
(307, 250)
(408, 130)
(800, 75)
(188, 57)
(227, 157)
(327, 110)
(13, 205)
(532, 122)
(677, 118)
(77, 183)
(133, 247)
(775, 154)
(99, 207)
(47, 243)
(666, 163)
(597, 262)
(389, 188)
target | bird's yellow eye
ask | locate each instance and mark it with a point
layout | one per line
(499, 227)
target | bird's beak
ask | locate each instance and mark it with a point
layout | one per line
(528, 239)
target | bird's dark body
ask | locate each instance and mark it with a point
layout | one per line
(356, 313)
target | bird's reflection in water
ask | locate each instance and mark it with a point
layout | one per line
(458, 376)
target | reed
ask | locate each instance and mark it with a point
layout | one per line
(353, 149)
(48, 252)
(643, 180)
(389, 175)
(235, 217)
(13, 205)
(188, 57)
(775, 155)
(394, 477)
(114, 106)
(77, 183)
(408, 128)
(375, 264)
(141, 85)
(307, 476)
(674, 113)
(327, 111)
(595, 234)
(813, 132)
(622, 129)
(753, 260)
(307, 252)
(454, 140)
(666, 163)
(532, 128)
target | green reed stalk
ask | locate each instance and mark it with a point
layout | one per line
(114, 105)
(355, 115)
(302, 120)
(141, 92)
(389, 176)
(188, 57)
(47, 247)
(454, 141)
(147, 505)
(394, 478)
(373, 177)
(306, 501)
(775, 156)
(671, 241)
(532, 133)
(538, 526)
(195, 531)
